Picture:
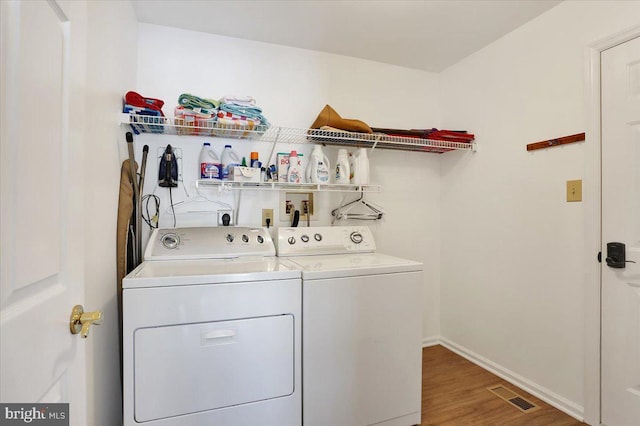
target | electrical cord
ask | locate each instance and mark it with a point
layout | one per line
(151, 221)
(172, 209)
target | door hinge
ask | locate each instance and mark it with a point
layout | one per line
(599, 257)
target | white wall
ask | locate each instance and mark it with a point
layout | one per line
(292, 86)
(512, 247)
(111, 71)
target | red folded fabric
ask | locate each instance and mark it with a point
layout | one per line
(136, 99)
(433, 134)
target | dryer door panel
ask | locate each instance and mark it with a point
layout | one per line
(191, 368)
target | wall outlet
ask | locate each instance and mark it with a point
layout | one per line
(225, 218)
(267, 214)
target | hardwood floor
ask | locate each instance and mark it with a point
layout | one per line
(454, 392)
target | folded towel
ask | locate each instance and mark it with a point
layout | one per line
(238, 100)
(137, 100)
(181, 111)
(247, 111)
(225, 120)
(203, 105)
(130, 109)
(243, 111)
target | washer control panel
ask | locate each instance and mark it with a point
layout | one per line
(324, 240)
(208, 243)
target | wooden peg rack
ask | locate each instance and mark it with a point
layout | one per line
(578, 137)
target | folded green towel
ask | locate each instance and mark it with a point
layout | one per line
(190, 101)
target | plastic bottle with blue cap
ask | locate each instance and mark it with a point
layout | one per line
(229, 158)
(209, 163)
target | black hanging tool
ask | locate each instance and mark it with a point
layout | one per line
(168, 174)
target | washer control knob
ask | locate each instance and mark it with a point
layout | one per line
(356, 237)
(305, 238)
(260, 239)
(230, 238)
(170, 241)
(245, 238)
(317, 237)
(291, 240)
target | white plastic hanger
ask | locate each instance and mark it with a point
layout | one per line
(197, 204)
(371, 212)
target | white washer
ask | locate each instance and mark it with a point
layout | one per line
(362, 328)
(212, 331)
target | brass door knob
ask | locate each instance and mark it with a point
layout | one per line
(81, 321)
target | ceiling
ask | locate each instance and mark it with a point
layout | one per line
(427, 35)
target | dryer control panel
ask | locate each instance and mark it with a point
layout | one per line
(317, 240)
(208, 243)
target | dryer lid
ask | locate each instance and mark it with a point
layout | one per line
(209, 271)
(214, 242)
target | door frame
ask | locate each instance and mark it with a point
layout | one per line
(593, 221)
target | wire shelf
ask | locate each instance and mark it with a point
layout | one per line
(273, 134)
(286, 186)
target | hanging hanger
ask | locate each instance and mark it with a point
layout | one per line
(197, 204)
(371, 212)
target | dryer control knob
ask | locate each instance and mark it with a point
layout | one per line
(356, 237)
(305, 238)
(230, 238)
(291, 240)
(260, 239)
(170, 241)
(317, 237)
(245, 239)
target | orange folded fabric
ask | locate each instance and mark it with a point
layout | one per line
(329, 117)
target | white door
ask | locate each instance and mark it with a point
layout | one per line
(40, 212)
(621, 223)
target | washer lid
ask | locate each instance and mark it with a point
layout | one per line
(208, 271)
(341, 265)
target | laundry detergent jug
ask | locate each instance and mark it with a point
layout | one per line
(343, 170)
(318, 168)
(361, 168)
(294, 175)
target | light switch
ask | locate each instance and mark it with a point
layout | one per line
(574, 190)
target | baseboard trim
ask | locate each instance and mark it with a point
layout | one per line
(551, 398)
(430, 341)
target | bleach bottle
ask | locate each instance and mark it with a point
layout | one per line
(318, 168)
(228, 159)
(209, 163)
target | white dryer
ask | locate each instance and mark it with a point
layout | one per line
(362, 328)
(212, 331)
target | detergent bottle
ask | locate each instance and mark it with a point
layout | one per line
(361, 168)
(318, 168)
(209, 163)
(294, 174)
(352, 166)
(342, 167)
(228, 159)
